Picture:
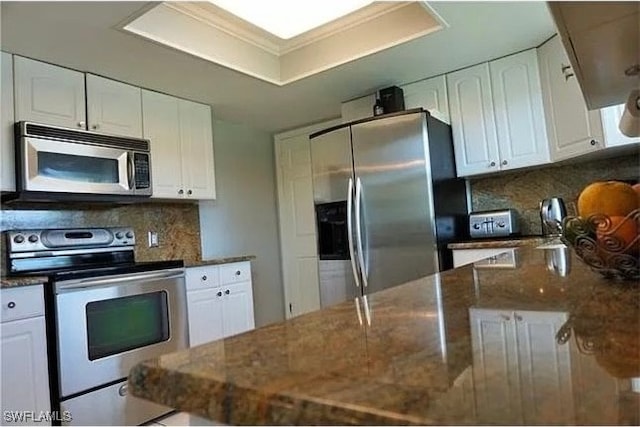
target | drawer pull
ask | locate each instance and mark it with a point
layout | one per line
(227, 292)
(11, 304)
(237, 272)
(204, 277)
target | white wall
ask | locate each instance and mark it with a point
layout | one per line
(243, 219)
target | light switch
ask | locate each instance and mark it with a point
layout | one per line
(153, 239)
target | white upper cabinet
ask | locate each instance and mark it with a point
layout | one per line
(497, 115)
(610, 121)
(7, 171)
(46, 93)
(517, 102)
(196, 135)
(162, 128)
(472, 121)
(359, 108)
(573, 130)
(114, 107)
(430, 94)
(181, 147)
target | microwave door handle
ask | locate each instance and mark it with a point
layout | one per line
(352, 255)
(130, 170)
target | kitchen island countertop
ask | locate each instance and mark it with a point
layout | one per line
(546, 342)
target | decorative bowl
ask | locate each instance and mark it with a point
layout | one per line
(609, 245)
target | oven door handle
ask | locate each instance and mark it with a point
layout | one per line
(91, 282)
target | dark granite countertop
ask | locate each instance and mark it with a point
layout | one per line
(15, 282)
(509, 242)
(217, 261)
(466, 346)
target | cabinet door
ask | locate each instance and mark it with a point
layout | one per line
(205, 316)
(610, 121)
(430, 94)
(7, 161)
(197, 150)
(495, 367)
(572, 129)
(25, 377)
(517, 102)
(545, 368)
(49, 94)
(161, 116)
(474, 131)
(114, 107)
(238, 308)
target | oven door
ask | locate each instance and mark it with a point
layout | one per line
(62, 166)
(107, 325)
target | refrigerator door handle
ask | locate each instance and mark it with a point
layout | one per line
(363, 267)
(352, 255)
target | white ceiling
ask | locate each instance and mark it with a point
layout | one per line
(86, 36)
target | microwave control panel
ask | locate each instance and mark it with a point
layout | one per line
(143, 177)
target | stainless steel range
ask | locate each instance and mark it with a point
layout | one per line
(105, 313)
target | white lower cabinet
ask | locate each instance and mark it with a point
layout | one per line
(467, 256)
(219, 301)
(521, 375)
(23, 352)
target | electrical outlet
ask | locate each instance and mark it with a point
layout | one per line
(153, 239)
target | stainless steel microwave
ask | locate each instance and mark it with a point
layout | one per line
(52, 162)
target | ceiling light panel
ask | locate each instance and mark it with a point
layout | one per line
(286, 18)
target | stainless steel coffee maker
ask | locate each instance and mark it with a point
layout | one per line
(552, 211)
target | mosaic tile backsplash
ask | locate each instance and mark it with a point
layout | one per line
(177, 224)
(523, 190)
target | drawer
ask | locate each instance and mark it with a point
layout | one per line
(236, 272)
(22, 303)
(204, 277)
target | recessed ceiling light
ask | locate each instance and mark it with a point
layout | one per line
(287, 18)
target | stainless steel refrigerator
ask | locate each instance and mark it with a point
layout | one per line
(387, 202)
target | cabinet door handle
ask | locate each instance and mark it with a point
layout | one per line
(504, 162)
(81, 125)
(564, 68)
(593, 142)
(95, 126)
(227, 292)
(204, 277)
(181, 191)
(568, 76)
(189, 192)
(219, 294)
(11, 304)
(122, 391)
(505, 317)
(492, 164)
(238, 272)
(518, 317)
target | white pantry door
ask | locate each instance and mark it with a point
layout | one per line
(297, 225)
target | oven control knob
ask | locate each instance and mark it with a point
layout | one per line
(476, 226)
(19, 238)
(500, 224)
(129, 234)
(33, 238)
(119, 235)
